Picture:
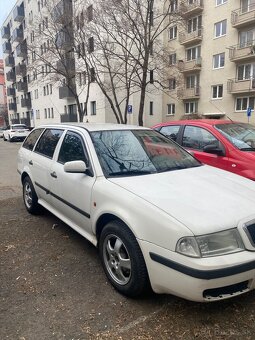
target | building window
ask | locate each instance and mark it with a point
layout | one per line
(244, 72)
(93, 108)
(91, 45)
(190, 107)
(193, 53)
(217, 91)
(221, 2)
(174, 6)
(92, 75)
(172, 83)
(243, 103)
(194, 24)
(48, 113)
(192, 81)
(45, 113)
(171, 109)
(219, 60)
(173, 32)
(220, 28)
(151, 109)
(151, 77)
(172, 59)
(90, 13)
(52, 113)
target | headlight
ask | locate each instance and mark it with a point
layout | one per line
(221, 243)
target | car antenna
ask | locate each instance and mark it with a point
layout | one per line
(230, 119)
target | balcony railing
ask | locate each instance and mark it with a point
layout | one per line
(243, 16)
(17, 35)
(21, 69)
(5, 32)
(190, 9)
(7, 47)
(11, 75)
(64, 39)
(11, 92)
(13, 106)
(9, 61)
(236, 86)
(187, 38)
(26, 102)
(190, 65)
(62, 12)
(22, 86)
(242, 51)
(18, 13)
(189, 93)
(65, 92)
(21, 50)
(65, 118)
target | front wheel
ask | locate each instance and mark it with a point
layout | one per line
(29, 196)
(123, 260)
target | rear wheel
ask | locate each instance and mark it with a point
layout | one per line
(29, 196)
(123, 260)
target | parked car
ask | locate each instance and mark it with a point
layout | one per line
(16, 132)
(221, 143)
(159, 217)
(2, 128)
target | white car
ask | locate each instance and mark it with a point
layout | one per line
(2, 128)
(16, 132)
(159, 217)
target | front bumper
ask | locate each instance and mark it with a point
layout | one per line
(204, 279)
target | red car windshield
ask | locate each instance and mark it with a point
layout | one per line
(241, 135)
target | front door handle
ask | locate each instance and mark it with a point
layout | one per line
(53, 174)
(30, 162)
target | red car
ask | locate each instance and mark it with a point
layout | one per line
(224, 144)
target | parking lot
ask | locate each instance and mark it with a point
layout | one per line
(53, 286)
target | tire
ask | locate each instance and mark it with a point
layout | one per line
(4, 139)
(117, 243)
(29, 197)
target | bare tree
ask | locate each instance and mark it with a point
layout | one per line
(4, 113)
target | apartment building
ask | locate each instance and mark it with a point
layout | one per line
(212, 55)
(2, 94)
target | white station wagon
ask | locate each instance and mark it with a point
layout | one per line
(159, 217)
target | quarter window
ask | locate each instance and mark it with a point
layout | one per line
(170, 131)
(72, 149)
(32, 139)
(197, 138)
(48, 142)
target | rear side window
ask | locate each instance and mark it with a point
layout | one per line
(170, 131)
(32, 139)
(72, 149)
(48, 142)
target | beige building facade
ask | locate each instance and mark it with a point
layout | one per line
(212, 60)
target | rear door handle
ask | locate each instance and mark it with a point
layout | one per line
(53, 174)
(30, 162)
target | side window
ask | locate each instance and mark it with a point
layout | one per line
(32, 139)
(197, 138)
(48, 142)
(72, 149)
(170, 131)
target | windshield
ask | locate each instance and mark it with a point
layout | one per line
(139, 152)
(240, 135)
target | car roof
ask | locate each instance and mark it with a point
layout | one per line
(95, 126)
(201, 122)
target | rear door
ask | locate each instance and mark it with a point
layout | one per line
(195, 138)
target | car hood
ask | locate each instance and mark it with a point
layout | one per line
(205, 199)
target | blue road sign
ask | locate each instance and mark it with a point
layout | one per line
(249, 112)
(129, 109)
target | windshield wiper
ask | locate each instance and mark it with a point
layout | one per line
(247, 149)
(131, 173)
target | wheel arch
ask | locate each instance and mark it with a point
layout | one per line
(103, 220)
(24, 175)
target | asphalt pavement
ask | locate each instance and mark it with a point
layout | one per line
(52, 285)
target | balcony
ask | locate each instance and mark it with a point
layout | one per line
(21, 50)
(13, 106)
(190, 66)
(235, 86)
(22, 86)
(65, 92)
(18, 13)
(68, 117)
(26, 102)
(243, 16)
(62, 12)
(195, 37)
(5, 32)
(7, 47)
(66, 66)
(21, 69)
(242, 52)
(17, 35)
(189, 93)
(9, 61)
(11, 75)
(64, 39)
(193, 9)
(11, 92)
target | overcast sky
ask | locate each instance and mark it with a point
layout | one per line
(5, 8)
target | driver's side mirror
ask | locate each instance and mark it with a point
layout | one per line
(214, 149)
(75, 167)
